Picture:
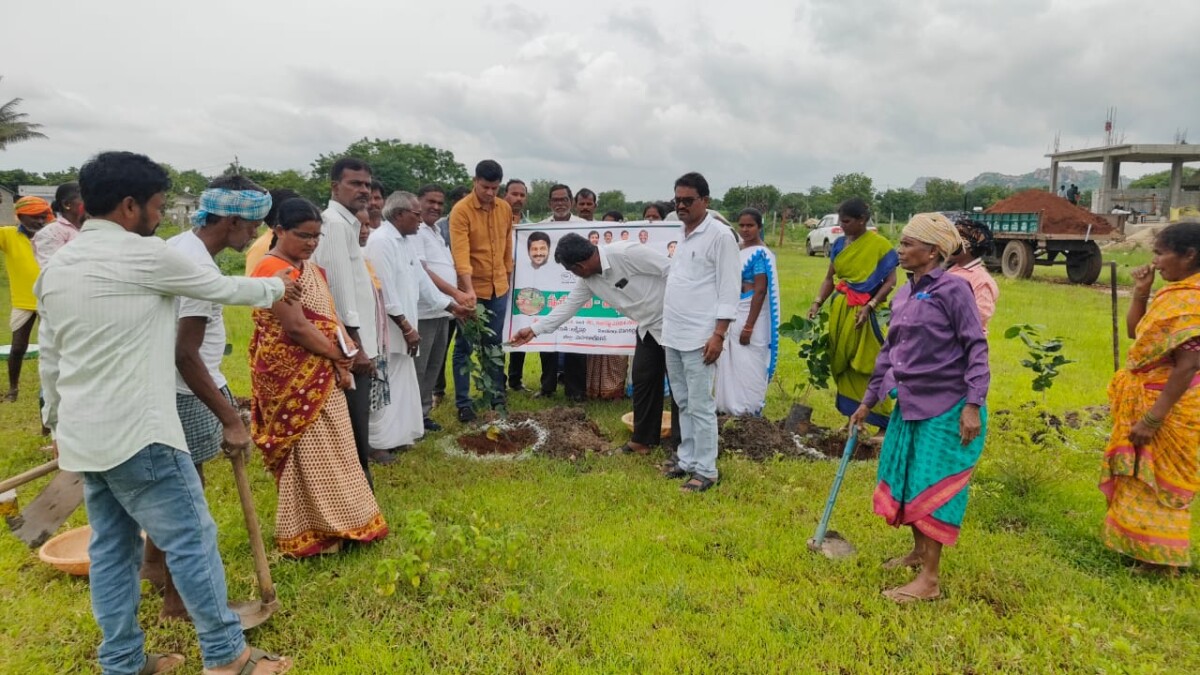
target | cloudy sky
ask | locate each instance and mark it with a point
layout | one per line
(609, 95)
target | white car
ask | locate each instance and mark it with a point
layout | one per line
(826, 232)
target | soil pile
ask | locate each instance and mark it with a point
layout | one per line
(761, 439)
(507, 442)
(572, 433)
(1059, 216)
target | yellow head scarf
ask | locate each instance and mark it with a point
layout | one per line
(936, 230)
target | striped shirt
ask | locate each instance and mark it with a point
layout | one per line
(107, 340)
(346, 269)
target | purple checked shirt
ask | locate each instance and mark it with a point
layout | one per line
(935, 352)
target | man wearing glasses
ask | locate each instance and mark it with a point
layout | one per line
(339, 254)
(699, 303)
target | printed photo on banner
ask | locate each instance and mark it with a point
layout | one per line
(539, 284)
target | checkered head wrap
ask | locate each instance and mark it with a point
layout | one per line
(249, 205)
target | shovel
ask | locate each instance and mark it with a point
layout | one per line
(253, 612)
(50, 509)
(831, 544)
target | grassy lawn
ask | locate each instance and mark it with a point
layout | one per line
(615, 571)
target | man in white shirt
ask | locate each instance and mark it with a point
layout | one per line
(350, 283)
(107, 353)
(434, 323)
(631, 278)
(699, 303)
(228, 216)
(405, 286)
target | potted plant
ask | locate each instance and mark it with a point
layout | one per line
(812, 335)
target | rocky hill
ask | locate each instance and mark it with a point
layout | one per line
(1086, 179)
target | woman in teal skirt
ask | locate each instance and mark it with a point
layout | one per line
(935, 362)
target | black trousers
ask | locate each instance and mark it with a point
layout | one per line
(574, 373)
(358, 400)
(649, 369)
(439, 389)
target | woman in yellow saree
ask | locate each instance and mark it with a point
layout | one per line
(1151, 467)
(862, 273)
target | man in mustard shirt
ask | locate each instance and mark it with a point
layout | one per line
(17, 245)
(481, 244)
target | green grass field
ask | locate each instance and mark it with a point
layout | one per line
(618, 572)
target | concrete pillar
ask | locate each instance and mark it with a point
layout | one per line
(1054, 176)
(1109, 176)
(1176, 185)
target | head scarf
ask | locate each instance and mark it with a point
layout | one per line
(936, 230)
(249, 205)
(34, 206)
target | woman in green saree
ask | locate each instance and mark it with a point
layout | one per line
(862, 273)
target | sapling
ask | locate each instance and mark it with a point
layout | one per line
(1045, 355)
(486, 359)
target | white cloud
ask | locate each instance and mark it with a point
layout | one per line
(621, 96)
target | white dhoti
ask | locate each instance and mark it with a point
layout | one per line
(400, 422)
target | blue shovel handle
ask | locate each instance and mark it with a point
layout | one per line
(847, 453)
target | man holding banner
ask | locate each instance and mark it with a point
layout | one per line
(632, 279)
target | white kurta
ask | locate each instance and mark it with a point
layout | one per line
(404, 283)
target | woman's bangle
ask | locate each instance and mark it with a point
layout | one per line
(1151, 421)
(1142, 297)
(818, 302)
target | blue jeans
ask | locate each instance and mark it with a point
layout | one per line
(463, 348)
(159, 491)
(693, 385)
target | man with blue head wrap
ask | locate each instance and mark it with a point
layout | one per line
(229, 214)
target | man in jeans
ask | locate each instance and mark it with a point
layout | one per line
(481, 242)
(699, 303)
(107, 304)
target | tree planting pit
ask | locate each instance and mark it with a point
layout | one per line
(760, 439)
(570, 433)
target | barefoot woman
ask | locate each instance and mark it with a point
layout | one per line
(936, 357)
(1150, 472)
(299, 417)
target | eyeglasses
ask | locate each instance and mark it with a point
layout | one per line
(306, 236)
(685, 201)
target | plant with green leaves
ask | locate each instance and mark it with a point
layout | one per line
(1045, 355)
(432, 559)
(486, 358)
(813, 337)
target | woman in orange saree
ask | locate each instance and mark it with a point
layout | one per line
(299, 418)
(1151, 467)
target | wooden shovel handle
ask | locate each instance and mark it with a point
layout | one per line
(35, 472)
(262, 568)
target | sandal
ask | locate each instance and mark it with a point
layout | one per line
(152, 661)
(904, 597)
(673, 472)
(257, 655)
(628, 449)
(698, 483)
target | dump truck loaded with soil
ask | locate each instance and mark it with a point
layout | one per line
(1038, 228)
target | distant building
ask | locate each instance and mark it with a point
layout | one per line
(44, 191)
(7, 217)
(180, 209)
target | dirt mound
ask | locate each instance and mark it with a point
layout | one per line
(497, 442)
(572, 433)
(761, 439)
(1059, 216)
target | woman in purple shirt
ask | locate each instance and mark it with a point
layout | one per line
(936, 359)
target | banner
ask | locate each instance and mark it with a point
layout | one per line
(539, 284)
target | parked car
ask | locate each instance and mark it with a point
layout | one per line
(829, 230)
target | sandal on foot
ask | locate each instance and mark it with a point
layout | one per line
(257, 655)
(153, 661)
(697, 483)
(898, 562)
(628, 449)
(673, 472)
(904, 597)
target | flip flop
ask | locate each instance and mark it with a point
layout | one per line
(904, 597)
(152, 661)
(257, 655)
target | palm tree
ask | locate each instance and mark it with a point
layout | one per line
(13, 127)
